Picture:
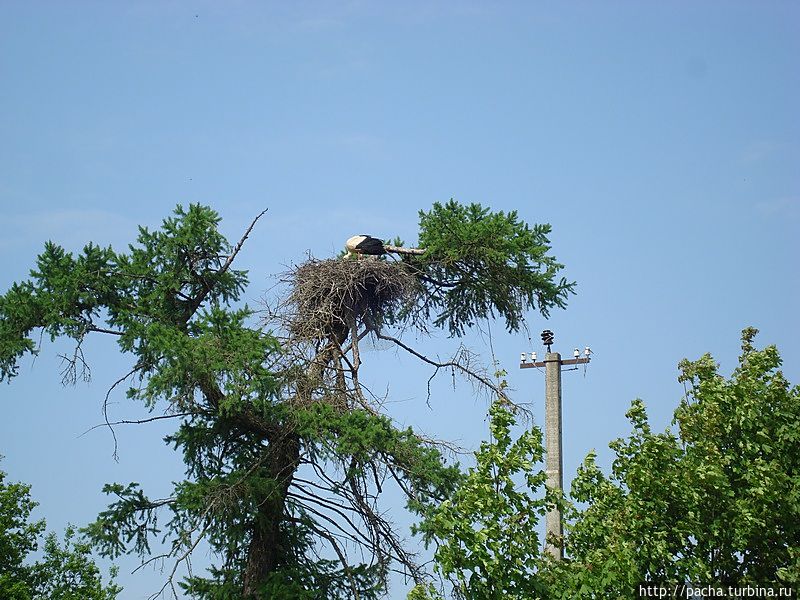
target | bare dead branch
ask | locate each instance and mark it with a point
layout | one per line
(207, 287)
(401, 250)
(105, 407)
(139, 421)
(102, 330)
(69, 373)
(439, 364)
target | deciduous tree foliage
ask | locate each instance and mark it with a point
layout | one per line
(485, 533)
(63, 573)
(715, 499)
(285, 460)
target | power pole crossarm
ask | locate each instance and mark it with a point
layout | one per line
(542, 363)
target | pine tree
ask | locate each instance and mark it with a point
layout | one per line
(285, 455)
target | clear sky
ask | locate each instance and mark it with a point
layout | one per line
(660, 140)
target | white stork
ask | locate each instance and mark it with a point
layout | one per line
(365, 244)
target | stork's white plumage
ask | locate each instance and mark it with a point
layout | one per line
(365, 244)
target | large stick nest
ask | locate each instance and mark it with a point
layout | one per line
(329, 297)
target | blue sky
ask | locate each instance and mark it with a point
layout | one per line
(660, 140)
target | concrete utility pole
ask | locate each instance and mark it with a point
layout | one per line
(552, 427)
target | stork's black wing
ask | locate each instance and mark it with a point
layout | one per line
(371, 245)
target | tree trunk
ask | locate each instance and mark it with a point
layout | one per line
(267, 548)
(267, 545)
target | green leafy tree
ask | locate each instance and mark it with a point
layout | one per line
(65, 572)
(717, 501)
(483, 532)
(285, 455)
